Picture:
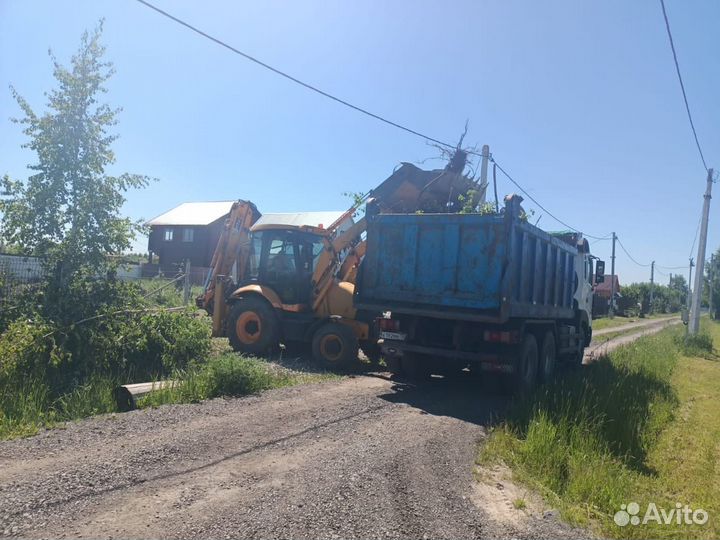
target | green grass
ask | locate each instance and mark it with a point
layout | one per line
(228, 375)
(586, 441)
(26, 409)
(606, 322)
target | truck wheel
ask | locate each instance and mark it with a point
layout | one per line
(393, 364)
(372, 351)
(415, 367)
(547, 358)
(527, 365)
(252, 326)
(580, 354)
(335, 346)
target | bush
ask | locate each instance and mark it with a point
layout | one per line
(134, 346)
(227, 375)
(700, 344)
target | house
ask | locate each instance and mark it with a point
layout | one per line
(188, 231)
(601, 299)
(192, 230)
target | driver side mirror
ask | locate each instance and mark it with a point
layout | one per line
(600, 272)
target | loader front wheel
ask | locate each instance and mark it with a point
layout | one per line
(335, 346)
(252, 326)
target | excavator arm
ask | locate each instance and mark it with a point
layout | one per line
(232, 248)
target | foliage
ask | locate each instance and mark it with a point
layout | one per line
(700, 344)
(665, 299)
(68, 211)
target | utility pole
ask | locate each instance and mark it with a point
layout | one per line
(694, 323)
(611, 311)
(652, 286)
(689, 291)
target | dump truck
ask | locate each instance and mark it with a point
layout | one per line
(278, 283)
(486, 292)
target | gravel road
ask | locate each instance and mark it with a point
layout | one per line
(359, 457)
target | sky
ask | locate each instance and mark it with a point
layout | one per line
(578, 100)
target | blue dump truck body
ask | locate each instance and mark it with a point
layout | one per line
(473, 287)
(467, 266)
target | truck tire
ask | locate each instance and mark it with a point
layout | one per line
(253, 326)
(526, 368)
(393, 364)
(372, 351)
(415, 367)
(335, 346)
(580, 353)
(548, 358)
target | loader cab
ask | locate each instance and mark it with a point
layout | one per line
(284, 259)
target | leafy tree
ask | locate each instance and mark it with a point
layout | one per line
(68, 211)
(712, 269)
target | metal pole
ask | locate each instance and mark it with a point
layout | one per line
(694, 324)
(611, 311)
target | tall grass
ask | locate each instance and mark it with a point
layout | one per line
(227, 375)
(584, 439)
(27, 407)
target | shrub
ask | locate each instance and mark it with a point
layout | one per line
(700, 344)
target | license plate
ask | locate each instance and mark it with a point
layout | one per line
(396, 336)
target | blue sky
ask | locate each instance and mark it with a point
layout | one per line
(578, 100)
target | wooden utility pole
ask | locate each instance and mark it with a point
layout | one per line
(186, 284)
(611, 311)
(652, 286)
(694, 322)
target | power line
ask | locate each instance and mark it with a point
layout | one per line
(540, 205)
(630, 256)
(290, 77)
(682, 85)
(342, 101)
(697, 231)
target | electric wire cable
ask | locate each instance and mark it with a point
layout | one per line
(290, 77)
(630, 256)
(682, 85)
(371, 114)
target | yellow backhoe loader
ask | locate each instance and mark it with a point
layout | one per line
(295, 284)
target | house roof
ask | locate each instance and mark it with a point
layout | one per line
(606, 286)
(300, 219)
(193, 213)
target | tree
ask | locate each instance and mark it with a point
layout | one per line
(68, 211)
(712, 270)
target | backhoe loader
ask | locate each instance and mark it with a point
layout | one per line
(295, 284)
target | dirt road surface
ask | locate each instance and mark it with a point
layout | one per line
(360, 457)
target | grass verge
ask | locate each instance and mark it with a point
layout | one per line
(24, 411)
(610, 434)
(229, 375)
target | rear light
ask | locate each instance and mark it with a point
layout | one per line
(502, 336)
(389, 325)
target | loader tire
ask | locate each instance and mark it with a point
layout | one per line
(253, 326)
